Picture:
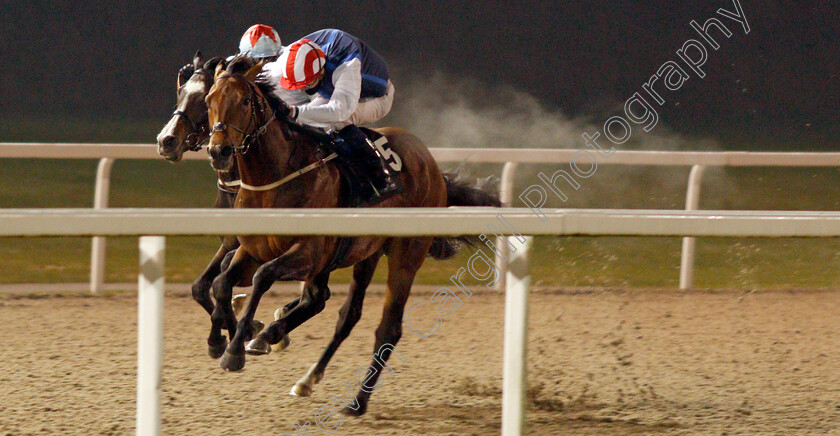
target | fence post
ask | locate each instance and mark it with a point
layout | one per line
(100, 201)
(692, 202)
(506, 195)
(150, 334)
(515, 372)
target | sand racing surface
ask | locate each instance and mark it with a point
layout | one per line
(600, 362)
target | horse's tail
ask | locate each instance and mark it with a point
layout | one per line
(460, 193)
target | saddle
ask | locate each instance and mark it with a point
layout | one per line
(356, 188)
(361, 189)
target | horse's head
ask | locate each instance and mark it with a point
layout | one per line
(236, 111)
(188, 128)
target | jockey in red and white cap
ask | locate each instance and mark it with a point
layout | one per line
(348, 84)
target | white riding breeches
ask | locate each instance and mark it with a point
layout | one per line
(370, 110)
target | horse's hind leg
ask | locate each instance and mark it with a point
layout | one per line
(405, 256)
(348, 316)
(223, 317)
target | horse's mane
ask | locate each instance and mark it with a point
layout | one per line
(281, 109)
(267, 88)
(240, 64)
(210, 65)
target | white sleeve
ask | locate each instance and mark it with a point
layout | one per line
(291, 98)
(347, 80)
(272, 72)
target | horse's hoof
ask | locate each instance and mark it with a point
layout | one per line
(258, 347)
(238, 302)
(232, 362)
(256, 327)
(354, 412)
(301, 390)
(215, 350)
(282, 345)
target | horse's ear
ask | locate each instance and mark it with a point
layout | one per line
(251, 75)
(198, 60)
(220, 68)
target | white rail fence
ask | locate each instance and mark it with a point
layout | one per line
(397, 222)
(511, 158)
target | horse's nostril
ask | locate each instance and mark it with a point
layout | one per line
(169, 142)
(227, 151)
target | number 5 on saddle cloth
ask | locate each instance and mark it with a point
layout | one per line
(371, 167)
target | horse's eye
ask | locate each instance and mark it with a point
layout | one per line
(246, 101)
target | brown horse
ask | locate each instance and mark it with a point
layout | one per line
(188, 130)
(252, 128)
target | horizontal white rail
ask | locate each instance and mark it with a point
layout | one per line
(511, 157)
(486, 155)
(415, 222)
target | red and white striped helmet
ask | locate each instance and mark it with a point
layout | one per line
(260, 41)
(303, 63)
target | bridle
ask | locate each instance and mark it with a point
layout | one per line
(256, 106)
(197, 130)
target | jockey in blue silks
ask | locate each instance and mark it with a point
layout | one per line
(333, 80)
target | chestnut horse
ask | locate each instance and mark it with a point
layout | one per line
(188, 130)
(252, 128)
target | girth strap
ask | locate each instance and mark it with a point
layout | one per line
(344, 244)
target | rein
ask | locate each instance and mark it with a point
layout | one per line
(231, 187)
(319, 163)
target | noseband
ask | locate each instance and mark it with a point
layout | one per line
(197, 131)
(193, 139)
(247, 138)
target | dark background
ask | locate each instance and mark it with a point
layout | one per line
(775, 88)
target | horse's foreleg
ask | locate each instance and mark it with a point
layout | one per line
(348, 316)
(223, 316)
(294, 265)
(404, 259)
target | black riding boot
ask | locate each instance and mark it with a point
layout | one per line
(380, 176)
